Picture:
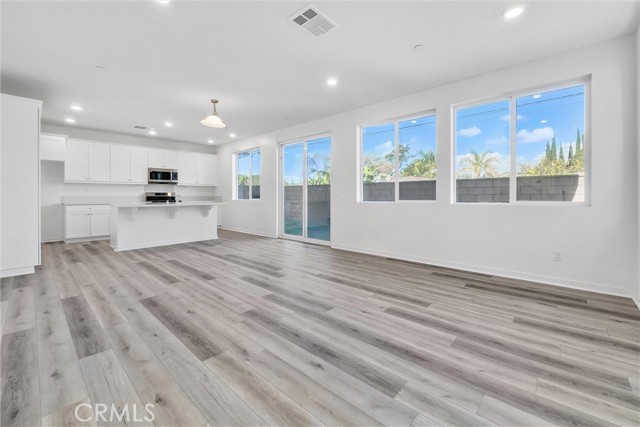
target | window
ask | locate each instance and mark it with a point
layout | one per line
(524, 148)
(550, 145)
(482, 153)
(399, 160)
(248, 175)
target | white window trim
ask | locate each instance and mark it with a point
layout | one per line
(396, 133)
(511, 97)
(235, 174)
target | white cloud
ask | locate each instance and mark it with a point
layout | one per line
(539, 134)
(469, 132)
(384, 148)
(507, 117)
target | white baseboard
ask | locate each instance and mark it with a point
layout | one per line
(53, 239)
(637, 301)
(248, 231)
(548, 280)
(17, 271)
(86, 239)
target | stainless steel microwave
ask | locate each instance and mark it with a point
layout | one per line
(163, 176)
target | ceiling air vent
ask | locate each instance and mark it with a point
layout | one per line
(313, 21)
(141, 127)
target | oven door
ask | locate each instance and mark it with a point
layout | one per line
(159, 175)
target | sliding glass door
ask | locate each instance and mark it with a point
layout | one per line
(306, 189)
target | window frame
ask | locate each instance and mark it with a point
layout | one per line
(396, 148)
(249, 153)
(512, 96)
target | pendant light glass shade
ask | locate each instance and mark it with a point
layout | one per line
(214, 119)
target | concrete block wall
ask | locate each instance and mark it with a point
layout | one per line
(318, 200)
(243, 191)
(480, 190)
(567, 188)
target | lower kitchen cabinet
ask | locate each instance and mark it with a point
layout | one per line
(86, 222)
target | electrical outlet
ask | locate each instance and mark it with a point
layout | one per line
(557, 255)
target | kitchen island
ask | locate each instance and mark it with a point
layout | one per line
(145, 225)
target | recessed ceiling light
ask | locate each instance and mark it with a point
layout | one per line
(70, 120)
(513, 12)
(210, 141)
(537, 96)
(332, 81)
(413, 122)
(152, 132)
(76, 107)
(168, 124)
(232, 135)
(164, 1)
(543, 121)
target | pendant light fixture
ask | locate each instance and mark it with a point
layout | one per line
(214, 119)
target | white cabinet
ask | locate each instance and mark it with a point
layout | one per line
(76, 164)
(129, 165)
(52, 147)
(187, 169)
(20, 185)
(98, 162)
(163, 159)
(207, 169)
(120, 164)
(99, 223)
(86, 221)
(95, 162)
(197, 169)
(138, 165)
(78, 224)
(86, 161)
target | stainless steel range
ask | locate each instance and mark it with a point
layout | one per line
(160, 197)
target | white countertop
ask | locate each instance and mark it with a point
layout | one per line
(166, 205)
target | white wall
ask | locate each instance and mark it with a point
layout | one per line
(53, 189)
(118, 138)
(599, 243)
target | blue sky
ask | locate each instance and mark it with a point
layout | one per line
(539, 118)
(419, 134)
(293, 158)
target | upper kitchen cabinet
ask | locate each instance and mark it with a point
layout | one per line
(163, 159)
(129, 165)
(86, 161)
(208, 169)
(52, 147)
(187, 169)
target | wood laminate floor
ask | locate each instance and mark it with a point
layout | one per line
(248, 331)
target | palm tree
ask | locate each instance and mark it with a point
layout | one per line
(479, 165)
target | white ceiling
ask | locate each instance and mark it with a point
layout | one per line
(164, 62)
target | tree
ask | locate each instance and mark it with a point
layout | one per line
(561, 155)
(479, 165)
(319, 169)
(423, 166)
(547, 152)
(554, 150)
(570, 156)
